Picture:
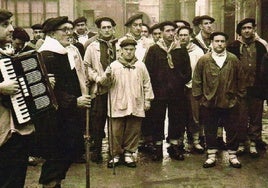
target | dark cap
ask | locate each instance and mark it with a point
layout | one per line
(52, 24)
(20, 33)
(99, 20)
(244, 21)
(155, 26)
(80, 19)
(183, 21)
(37, 26)
(127, 42)
(204, 17)
(212, 35)
(165, 23)
(185, 27)
(131, 19)
(195, 21)
(4, 15)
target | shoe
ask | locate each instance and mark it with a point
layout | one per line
(129, 160)
(260, 144)
(114, 162)
(32, 161)
(235, 163)
(157, 153)
(209, 163)
(241, 150)
(198, 148)
(253, 151)
(176, 152)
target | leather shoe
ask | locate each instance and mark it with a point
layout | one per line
(114, 162)
(209, 164)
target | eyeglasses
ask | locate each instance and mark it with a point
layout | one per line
(65, 30)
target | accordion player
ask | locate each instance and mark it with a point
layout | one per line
(35, 94)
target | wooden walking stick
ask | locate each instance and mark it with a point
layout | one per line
(87, 145)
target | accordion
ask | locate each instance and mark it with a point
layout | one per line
(35, 94)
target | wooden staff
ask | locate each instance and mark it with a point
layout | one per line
(87, 145)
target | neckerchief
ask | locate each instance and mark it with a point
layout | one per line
(110, 55)
(126, 64)
(161, 43)
(245, 45)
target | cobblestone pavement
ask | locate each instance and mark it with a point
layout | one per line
(168, 173)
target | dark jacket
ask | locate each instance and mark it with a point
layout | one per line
(218, 87)
(168, 83)
(256, 89)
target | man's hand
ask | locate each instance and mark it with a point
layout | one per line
(52, 80)
(108, 71)
(84, 101)
(9, 87)
(147, 105)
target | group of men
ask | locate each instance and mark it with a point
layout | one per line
(130, 83)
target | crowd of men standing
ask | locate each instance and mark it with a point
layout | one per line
(203, 81)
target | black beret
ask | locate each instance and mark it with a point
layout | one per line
(186, 27)
(80, 19)
(20, 33)
(99, 20)
(127, 42)
(37, 26)
(183, 21)
(212, 35)
(244, 21)
(195, 21)
(131, 19)
(204, 17)
(52, 24)
(155, 26)
(165, 23)
(4, 15)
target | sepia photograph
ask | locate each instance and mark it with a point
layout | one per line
(133, 93)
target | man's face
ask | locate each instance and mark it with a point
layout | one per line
(81, 27)
(18, 44)
(168, 33)
(135, 27)
(128, 52)
(184, 37)
(6, 30)
(206, 26)
(218, 43)
(144, 31)
(64, 34)
(38, 34)
(156, 34)
(247, 31)
(106, 29)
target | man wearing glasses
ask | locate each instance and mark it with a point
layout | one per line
(65, 126)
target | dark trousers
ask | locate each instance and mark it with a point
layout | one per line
(228, 118)
(98, 116)
(14, 161)
(176, 118)
(250, 126)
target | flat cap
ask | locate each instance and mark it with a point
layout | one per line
(184, 22)
(52, 24)
(4, 15)
(37, 26)
(20, 33)
(127, 42)
(244, 21)
(80, 19)
(165, 23)
(199, 19)
(216, 33)
(131, 19)
(99, 20)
